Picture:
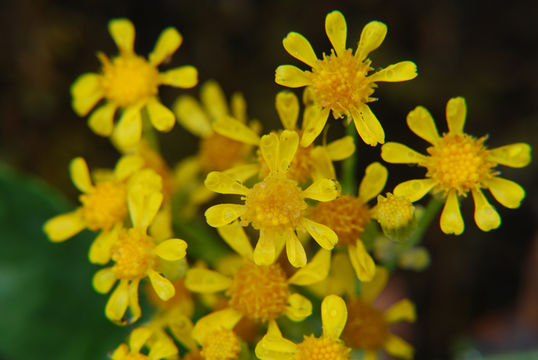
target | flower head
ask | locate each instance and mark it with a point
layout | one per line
(339, 81)
(159, 348)
(457, 164)
(130, 83)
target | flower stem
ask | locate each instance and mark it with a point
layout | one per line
(430, 212)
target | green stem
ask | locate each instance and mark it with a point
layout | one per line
(349, 176)
(430, 212)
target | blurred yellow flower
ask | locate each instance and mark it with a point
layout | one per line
(159, 348)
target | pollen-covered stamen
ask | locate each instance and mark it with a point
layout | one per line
(393, 212)
(459, 162)
(366, 327)
(259, 292)
(275, 203)
(322, 348)
(340, 82)
(133, 255)
(105, 205)
(128, 79)
(221, 344)
(346, 215)
(219, 153)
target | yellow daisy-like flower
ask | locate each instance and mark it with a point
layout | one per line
(130, 82)
(310, 162)
(273, 346)
(104, 206)
(159, 348)
(136, 256)
(348, 216)
(275, 206)
(456, 165)
(340, 82)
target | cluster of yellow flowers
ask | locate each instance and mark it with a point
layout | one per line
(289, 193)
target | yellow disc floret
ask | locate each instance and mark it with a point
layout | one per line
(132, 254)
(340, 83)
(459, 162)
(366, 327)
(393, 212)
(259, 292)
(219, 153)
(222, 344)
(275, 203)
(128, 79)
(322, 348)
(105, 205)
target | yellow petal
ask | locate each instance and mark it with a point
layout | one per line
(314, 120)
(120, 353)
(514, 155)
(138, 338)
(103, 280)
(451, 220)
(80, 175)
(181, 329)
(117, 303)
(367, 125)
(223, 214)
(333, 316)
(206, 281)
(163, 348)
(291, 76)
(372, 36)
(143, 207)
(214, 100)
(265, 250)
(171, 249)
(402, 71)
(403, 310)
(100, 249)
(101, 121)
(421, 123)
(235, 129)
(162, 286)
(321, 190)
(397, 153)
(235, 236)
(242, 172)
(127, 166)
(362, 262)
(313, 272)
(184, 77)
(222, 183)
(288, 145)
(295, 250)
(414, 190)
(374, 180)
(239, 107)
(324, 236)
(226, 319)
(167, 44)
(86, 92)
(507, 192)
(336, 29)
(299, 307)
(65, 226)
(129, 129)
(323, 166)
(287, 107)
(160, 116)
(123, 33)
(341, 149)
(269, 145)
(396, 346)
(134, 305)
(485, 215)
(274, 347)
(299, 47)
(456, 111)
(370, 290)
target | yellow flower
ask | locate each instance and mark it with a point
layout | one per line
(275, 206)
(159, 348)
(136, 256)
(130, 82)
(340, 82)
(456, 165)
(310, 162)
(396, 215)
(104, 206)
(273, 346)
(348, 216)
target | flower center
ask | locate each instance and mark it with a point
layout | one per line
(365, 328)
(459, 162)
(128, 79)
(346, 215)
(259, 292)
(132, 254)
(105, 205)
(322, 348)
(393, 212)
(275, 203)
(222, 344)
(219, 153)
(340, 83)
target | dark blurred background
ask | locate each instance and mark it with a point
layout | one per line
(480, 294)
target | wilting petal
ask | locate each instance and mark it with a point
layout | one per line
(160, 116)
(397, 153)
(123, 33)
(333, 316)
(402, 71)
(299, 47)
(507, 192)
(287, 107)
(421, 123)
(373, 182)
(485, 215)
(514, 155)
(456, 111)
(206, 281)
(223, 214)
(336, 29)
(372, 36)
(291, 76)
(451, 220)
(414, 190)
(167, 44)
(184, 77)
